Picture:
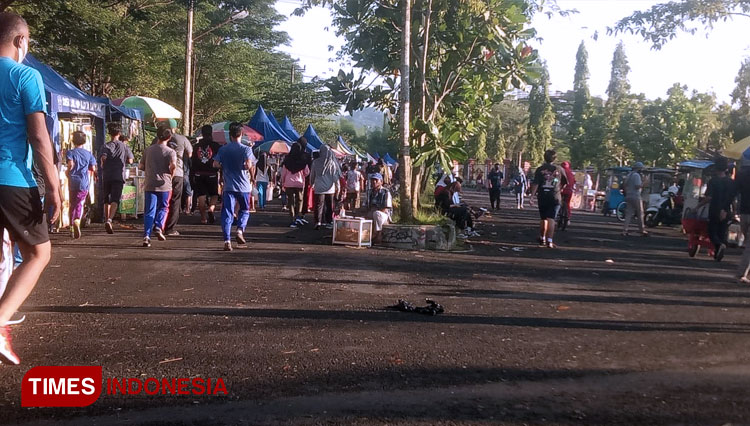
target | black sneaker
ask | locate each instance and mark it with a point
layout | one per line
(108, 227)
(211, 218)
(720, 252)
(160, 235)
(147, 242)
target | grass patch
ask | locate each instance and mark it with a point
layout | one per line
(422, 216)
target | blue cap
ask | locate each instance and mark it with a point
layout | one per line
(377, 176)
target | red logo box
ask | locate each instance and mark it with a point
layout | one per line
(61, 386)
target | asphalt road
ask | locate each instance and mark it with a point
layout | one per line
(604, 330)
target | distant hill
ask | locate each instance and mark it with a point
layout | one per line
(366, 119)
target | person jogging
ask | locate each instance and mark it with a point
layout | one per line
(237, 163)
(114, 156)
(23, 140)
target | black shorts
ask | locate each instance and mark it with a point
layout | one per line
(206, 186)
(548, 210)
(21, 213)
(112, 191)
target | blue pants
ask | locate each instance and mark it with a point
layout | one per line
(155, 211)
(262, 189)
(228, 200)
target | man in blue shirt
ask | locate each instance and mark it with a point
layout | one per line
(237, 162)
(23, 139)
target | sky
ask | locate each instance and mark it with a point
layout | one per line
(707, 62)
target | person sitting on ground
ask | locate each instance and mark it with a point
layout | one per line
(81, 164)
(460, 214)
(379, 206)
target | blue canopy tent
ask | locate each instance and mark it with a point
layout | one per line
(63, 98)
(375, 156)
(263, 125)
(275, 122)
(389, 160)
(288, 128)
(313, 141)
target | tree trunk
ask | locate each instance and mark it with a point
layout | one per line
(419, 178)
(405, 191)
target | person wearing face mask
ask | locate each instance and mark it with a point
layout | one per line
(24, 142)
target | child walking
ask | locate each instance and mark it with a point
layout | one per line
(81, 164)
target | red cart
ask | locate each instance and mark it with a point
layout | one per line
(695, 225)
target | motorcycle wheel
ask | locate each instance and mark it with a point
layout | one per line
(621, 212)
(650, 219)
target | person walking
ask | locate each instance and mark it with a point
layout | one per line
(324, 177)
(549, 178)
(206, 175)
(353, 187)
(80, 164)
(520, 185)
(237, 164)
(742, 189)
(159, 163)
(263, 173)
(23, 139)
(114, 156)
(633, 185)
(182, 147)
(495, 180)
(568, 190)
(294, 174)
(719, 197)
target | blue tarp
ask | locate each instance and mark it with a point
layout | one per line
(375, 156)
(697, 164)
(313, 141)
(389, 160)
(132, 113)
(288, 128)
(63, 97)
(263, 125)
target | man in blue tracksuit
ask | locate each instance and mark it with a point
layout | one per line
(237, 162)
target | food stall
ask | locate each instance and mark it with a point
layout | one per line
(69, 109)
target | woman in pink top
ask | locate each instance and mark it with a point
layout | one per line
(293, 173)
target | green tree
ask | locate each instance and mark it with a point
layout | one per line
(118, 48)
(476, 147)
(506, 133)
(618, 97)
(541, 118)
(740, 117)
(664, 21)
(466, 55)
(581, 109)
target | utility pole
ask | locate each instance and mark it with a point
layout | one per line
(292, 73)
(404, 166)
(186, 113)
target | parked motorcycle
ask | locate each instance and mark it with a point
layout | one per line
(667, 210)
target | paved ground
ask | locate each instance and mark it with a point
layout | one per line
(604, 330)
